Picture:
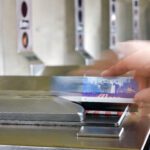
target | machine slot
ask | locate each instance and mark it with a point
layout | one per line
(105, 117)
(103, 106)
(111, 132)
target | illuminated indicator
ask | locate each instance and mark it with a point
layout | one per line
(113, 17)
(25, 40)
(24, 9)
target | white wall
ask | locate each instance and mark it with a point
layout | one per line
(96, 26)
(145, 19)
(1, 40)
(53, 32)
(124, 22)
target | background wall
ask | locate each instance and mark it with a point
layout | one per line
(124, 20)
(53, 31)
(96, 27)
(1, 41)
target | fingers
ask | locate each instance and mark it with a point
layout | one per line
(122, 66)
(137, 56)
(109, 56)
(142, 98)
(93, 70)
(138, 62)
(142, 81)
(129, 47)
(145, 111)
(125, 49)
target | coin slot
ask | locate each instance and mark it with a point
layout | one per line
(25, 40)
(24, 9)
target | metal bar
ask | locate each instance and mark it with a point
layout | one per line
(136, 19)
(79, 31)
(123, 116)
(113, 23)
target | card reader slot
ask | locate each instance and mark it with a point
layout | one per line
(103, 106)
(110, 118)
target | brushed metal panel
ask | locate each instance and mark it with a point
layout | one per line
(51, 109)
(24, 83)
(131, 139)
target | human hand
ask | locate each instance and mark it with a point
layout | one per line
(108, 58)
(136, 59)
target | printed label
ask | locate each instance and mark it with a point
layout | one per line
(123, 87)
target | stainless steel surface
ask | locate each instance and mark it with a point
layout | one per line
(103, 132)
(136, 19)
(30, 95)
(66, 137)
(22, 47)
(123, 116)
(58, 70)
(80, 32)
(36, 69)
(39, 69)
(102, 120)
(31, 107)
(112, 25)
(146, 143)
(39, 109)
(26, 83)
(11, 147)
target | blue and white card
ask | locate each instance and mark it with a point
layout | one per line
(95, 89)
(123, 87)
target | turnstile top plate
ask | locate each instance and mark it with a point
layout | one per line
(39, 109)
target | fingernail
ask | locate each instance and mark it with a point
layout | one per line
(105, 73)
